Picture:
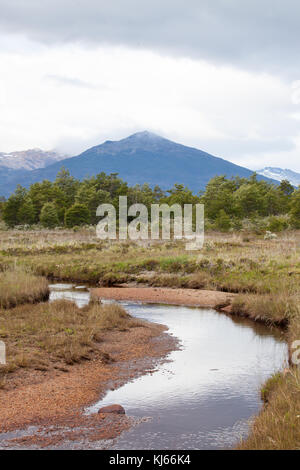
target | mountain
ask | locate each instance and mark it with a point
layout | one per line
(29, 159)
(140, 158)
(279, 174)
(17, 165)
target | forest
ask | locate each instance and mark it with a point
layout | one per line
(230, 204)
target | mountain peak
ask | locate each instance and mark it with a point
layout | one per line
(143, 140)
(144, 136)
(280, 174)
(138, 138)
(143, 157)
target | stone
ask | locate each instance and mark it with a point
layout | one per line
(116, 409)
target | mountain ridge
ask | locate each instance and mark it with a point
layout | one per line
(30, 159)
(280, 174)
(140, 158)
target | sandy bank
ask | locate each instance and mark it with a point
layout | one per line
(188, 297)
(56, 399)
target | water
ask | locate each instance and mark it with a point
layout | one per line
(79, 295)
(205, 395)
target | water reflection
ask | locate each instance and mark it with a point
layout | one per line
(203, 398)
(80, 295)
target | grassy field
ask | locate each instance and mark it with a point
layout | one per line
(235, 263)
(56, 334)
(264, 273)
(19, 287)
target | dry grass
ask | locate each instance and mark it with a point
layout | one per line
(39, 335)
(278, 425)
(231, 262)
(19, 287)
(294, 329)
(273, 309)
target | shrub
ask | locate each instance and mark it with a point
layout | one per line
(223, 222)
(78, 214)
(49, 217)
(295, 210)
(277, 224)
(12, 206)
(26, 212)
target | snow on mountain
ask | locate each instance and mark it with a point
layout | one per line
(29, 159)
(279, 174)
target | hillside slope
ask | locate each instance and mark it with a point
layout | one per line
(140, 158)
(280, 174)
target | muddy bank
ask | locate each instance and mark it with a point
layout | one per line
(56, 399)
(187, 297)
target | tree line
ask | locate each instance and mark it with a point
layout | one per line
(70, 202)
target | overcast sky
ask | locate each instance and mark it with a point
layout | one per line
(220, 75)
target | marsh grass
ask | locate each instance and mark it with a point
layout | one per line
(229, 262)
(18, 287)
(273, 309)
(277, 426)
(39, 335)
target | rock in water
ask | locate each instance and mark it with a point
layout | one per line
(116, 409)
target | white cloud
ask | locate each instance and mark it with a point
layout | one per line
(71, 97)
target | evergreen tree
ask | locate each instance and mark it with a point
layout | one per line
(68, 185)
(249, 199)
(2, 205)
(295, 209)
(48, 216)
(238, 198)
(219, 194)
(41, 193)
(111, 183)
(12, 206)
(88, 195)
(181, 195)
(223, 222)
(10, 211)
(78, 214)
(286, 188)
(158, 193)
(26, 212)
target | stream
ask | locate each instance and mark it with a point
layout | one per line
(205, 395)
